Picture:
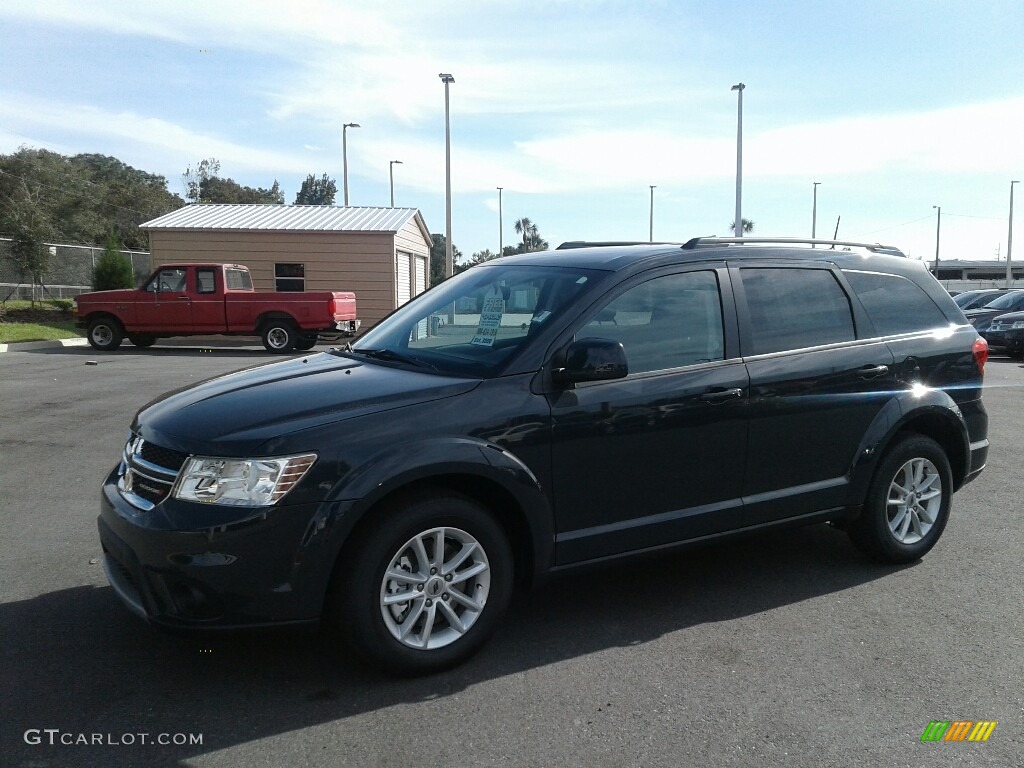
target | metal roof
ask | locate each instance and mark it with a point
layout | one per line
(286, 218)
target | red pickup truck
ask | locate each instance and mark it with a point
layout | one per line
(203, 299)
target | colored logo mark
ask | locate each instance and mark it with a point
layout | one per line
(958, 730)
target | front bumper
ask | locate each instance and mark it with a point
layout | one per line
(1004, 339)
(261, 567)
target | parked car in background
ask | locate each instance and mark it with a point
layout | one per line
(206, 299)
(1006, 334)
(577, 406)
(981, 317)
(978, 298)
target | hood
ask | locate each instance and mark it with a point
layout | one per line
(120, 294)
(1010, 317)
(236, 413)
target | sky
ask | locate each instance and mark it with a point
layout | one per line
(575, 107)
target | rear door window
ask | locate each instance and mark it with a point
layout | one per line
(794, 308)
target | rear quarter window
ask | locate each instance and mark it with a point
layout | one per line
(895, 304)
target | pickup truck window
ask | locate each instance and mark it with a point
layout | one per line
(205, 282)
(238, 280)
(168, 281)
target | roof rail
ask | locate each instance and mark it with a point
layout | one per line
(603, 244)
(699, 242)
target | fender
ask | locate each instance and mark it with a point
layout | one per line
(932, 407)
(391, 470)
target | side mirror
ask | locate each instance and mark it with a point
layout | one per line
(592, 360)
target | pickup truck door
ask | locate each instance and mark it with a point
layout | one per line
(166, 306)
(208, 301)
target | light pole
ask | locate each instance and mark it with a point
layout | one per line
(344, 154)
(739, 159)
(938, 225)
(814, 213)
(448, 265)
(391, 178)
(650, 238)
(501, 242)
(1009, 241)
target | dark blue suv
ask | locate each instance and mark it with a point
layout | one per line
(544, 411)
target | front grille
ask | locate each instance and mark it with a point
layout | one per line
(148, 472)
(163, 457)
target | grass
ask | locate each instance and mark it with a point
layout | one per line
(46, 322)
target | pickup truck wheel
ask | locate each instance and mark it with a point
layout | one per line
(279, 336)
(304, 344)
(908, 501)
(142, 341)
(426, 586)
(105, 334)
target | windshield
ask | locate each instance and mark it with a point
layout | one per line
(1006, 301)
(963, 299)
(476, 322)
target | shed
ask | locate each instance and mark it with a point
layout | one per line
(382, 254)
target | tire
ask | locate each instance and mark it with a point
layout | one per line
(105, 334)
(470, 587)
(304, 344)
(142, 341)
(891, 530)
(279, 336)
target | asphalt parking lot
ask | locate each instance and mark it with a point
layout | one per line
(788, 649)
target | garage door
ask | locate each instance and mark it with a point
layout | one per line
(403, 277)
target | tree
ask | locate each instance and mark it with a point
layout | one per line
(748, 226)
(317, 191)
(478, 258)
(112, 270)
(437, 259)
(84, 196)
(532, 241)
(27, 219)
(203, 185)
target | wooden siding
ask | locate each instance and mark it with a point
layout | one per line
(334, 261)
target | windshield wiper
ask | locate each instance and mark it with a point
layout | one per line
(392, 356)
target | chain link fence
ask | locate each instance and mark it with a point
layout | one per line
(70, 272)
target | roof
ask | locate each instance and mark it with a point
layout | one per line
(616, 257)
(202, 217)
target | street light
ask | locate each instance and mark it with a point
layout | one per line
(448, 264)
(501, 242)
(1009, 241)
(651, 237)
(391, 177)
(739, 159)
(938, 225)
(344, 154)
(814, 213)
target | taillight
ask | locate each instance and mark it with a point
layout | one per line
(980, 352)
(332, 307)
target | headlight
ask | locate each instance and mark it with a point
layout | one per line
(1017, 325)
(248, 482)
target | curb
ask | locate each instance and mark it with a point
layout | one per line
(53, 344)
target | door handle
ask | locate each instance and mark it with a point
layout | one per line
(873, 371)
(722, 395)
(184, 298)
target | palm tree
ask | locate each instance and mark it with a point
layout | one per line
(748, 226)
(524, 227)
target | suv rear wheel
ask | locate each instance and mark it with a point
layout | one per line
(427, 585)
(907, 505)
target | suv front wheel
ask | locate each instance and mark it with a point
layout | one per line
(907, 503)
(427, 585)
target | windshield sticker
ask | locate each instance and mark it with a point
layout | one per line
(490, 321)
